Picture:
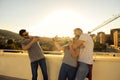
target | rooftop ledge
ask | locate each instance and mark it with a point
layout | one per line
(105, 67)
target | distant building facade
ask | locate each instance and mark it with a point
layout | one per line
(101, 38)
(115, 33)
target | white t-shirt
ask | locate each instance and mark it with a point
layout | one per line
(86, 54)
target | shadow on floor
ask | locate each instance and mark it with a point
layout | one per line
(2, 77)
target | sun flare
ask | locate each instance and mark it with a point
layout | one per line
(60, 22)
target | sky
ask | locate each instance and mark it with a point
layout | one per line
(57, 17)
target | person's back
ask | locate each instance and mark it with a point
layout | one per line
(86, 54)
(85, 59)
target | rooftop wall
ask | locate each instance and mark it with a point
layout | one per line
(106, 66)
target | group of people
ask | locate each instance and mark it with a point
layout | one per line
(77, 61)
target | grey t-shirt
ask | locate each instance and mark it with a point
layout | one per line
(68, 58)
(35, 51)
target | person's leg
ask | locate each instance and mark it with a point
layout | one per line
(82, 71)
(34, 67)
(72, 73)
(63, 72)
(89, 75)
(43, 66)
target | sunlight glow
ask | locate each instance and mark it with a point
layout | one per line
(61, 23)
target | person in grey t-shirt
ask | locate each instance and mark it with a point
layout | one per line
(35, 53)
(69, 63)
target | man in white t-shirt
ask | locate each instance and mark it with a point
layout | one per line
(85, 59)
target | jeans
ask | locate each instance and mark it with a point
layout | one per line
(84, 70)
(34, 67)
(67, 72)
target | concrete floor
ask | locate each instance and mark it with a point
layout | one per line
(3, 77)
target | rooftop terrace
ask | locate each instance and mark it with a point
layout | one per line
(16, 66)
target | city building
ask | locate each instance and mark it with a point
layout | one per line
(101, 37)
(115, 33)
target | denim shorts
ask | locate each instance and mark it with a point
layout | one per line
(84, 70)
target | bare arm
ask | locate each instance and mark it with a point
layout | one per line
(75, 48)
(78, 43)
(74, 52)
(58, 46)
(26, 47)
(56, 43)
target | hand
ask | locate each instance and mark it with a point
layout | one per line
(82, 46)
(70, 43)
(35, 39)
(55, 38)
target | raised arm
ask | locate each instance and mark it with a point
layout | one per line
(74, 52)
(78, 44)
(58, 46)
(75, 47)
(26, 47)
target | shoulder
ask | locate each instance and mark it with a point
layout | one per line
(84, 37)
(84, 34)
(25, 41)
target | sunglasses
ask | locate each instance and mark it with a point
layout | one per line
(25, 34)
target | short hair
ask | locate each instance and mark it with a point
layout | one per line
(21, 32)
(78, 29)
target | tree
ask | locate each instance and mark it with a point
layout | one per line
(99, 47)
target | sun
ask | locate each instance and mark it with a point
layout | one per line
(59, 22)
(64, 17)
